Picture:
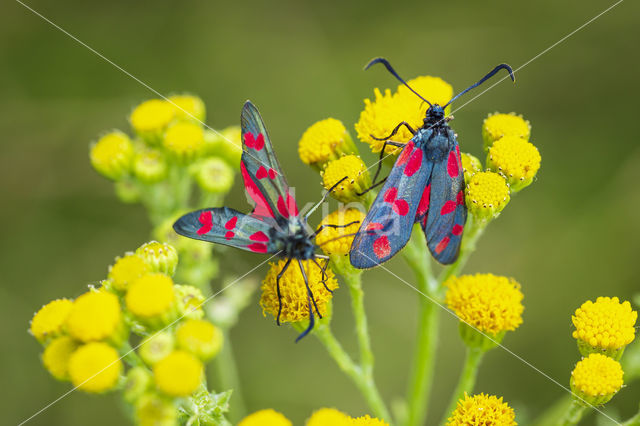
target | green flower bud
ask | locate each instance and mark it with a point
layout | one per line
(161, 257)
(137, 382)
(214, 175)
(150, 166)
(156, 346)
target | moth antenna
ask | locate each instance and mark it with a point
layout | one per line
(393, 72)
(483, 79)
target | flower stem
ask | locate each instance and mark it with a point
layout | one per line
(467, 379)
(227, 378)
(633, 421)
(354, 281)
(573, 414)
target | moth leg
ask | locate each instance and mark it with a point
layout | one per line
(306, 283)
(280, 274)
(379, 164)
(324, 197)
(311, 321)
(403, 123)
(331, 225)
(323, 270)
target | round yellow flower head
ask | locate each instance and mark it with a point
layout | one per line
(161, 257)
(190, 301)
(150, 118)
(112, 155)
(294, 292)
(497, 125)
(151, 299)
(328, 416)
(96, 315)
(154, 410)
(486, 194)
(482, 410)
(138, 382)
(516, 158)
(150, 166)
(331, 239)
(49, 321)
(184, 140)
(470, 166)
(357, 178)
(199, 337)
(156, 347)
(490, 303)
(214, 175)
(178, 374)
(325, 140)
(605, 326)
(596, 379)
(433, 89)
(188, 107)
(56, 356)
(367, 420)
(126, 270)
(266, 417)
(95, 367)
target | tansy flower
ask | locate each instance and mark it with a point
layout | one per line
(154, 410)
(95, 367)
(357, 178)
(161, 257)
(188, 107)
(126, 270)
(516, 158)
(596, 379)
(490, 303)
(605, 326)
(112, 155)
(331, 239)
(433, 89)
(184, 140)
(214, 175)
(226, 144)
(150, 118)
(266, 417)
(486, 194)
(325, 140)
(150, 166)
(49, 321)
(95, 316)
(56, 356)
(470, 166)
(178, 374)
(328, 416)
(137, 383)
(367, 420)
(157, 346)
(497, 125)
(199, 337)
(151, 299)
(294, 292)
(190, 301)
(482, 410)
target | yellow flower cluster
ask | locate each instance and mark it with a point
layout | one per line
(352, 175)
(482, 410)
(324, 141)
(596, 379)
(321, 417)
(332, 239)
(486, 194)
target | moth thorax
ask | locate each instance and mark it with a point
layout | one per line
(435, 115)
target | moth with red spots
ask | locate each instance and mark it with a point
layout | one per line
(425, 185)
(274, 226)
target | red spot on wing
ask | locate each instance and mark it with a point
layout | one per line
(414, 164)
(405, 154)
(401, 207)
(231, 223)
(259, 143)
(448, 207)
(257, 247)
(229, 235)
(452, 165)
(460, 198)
(457, 229)
(424, 201)
(373, 226)
(249, 140)
(390, 195)
(261, 173)
(259, 236)
(442, 245)
(206, 219)
(288, 209)
(381, 247)
(272, 174)
(262, 207)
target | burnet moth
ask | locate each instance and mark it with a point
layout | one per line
(425, 185)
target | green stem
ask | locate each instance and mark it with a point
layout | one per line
(633, 421)
(573, 414)
(131, 357)
(467, 379)
(227, 378)
(354, 281)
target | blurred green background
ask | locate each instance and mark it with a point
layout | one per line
(571, 236)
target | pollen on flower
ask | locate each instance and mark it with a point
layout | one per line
(490, 303)
(604, 325)
(95, 315)
(516, 158)
(470, 166)
(265, 417)
(112, 155)
(126, 270)
(294, 292)
(188, 107)
(178, 374)
(185, 140)
(482, 410)
(498, 125)
(323, 141)
(331, 239)
(596, 378)
(367, 420)
(328, 416)
(161, 257)
(95, 367)
(152, 116)
(50, 319)
(150, 296)
(200, 338)
(356, 173)
(56, 356)
(486, 194)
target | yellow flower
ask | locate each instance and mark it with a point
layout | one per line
(156, 347)
(178, 374)
(266, 417)
(325, 140)
(112, 155)
(367, 420)
(150, 166)
(486, 194)
(150, 118)
(490, 303)
(433, 89)
(357, 178)
(126, 270)
(94, 316)
(596, 379)
(49, 321)
(214, 175)
(482, 410)
(151, 299)
(330, 239)
(294, 292)
(184, 140)
(328, 416)
(199, 337)
(188, 107)
(161, 257)
(95, 367)
(604, 326)
(154, 410)
(56, 356)
(516, 158)
(470, 166)
(497, 125)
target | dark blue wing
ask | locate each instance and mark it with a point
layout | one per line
(387, 226)
(229, 227)
(263, 178)
(444, 221)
